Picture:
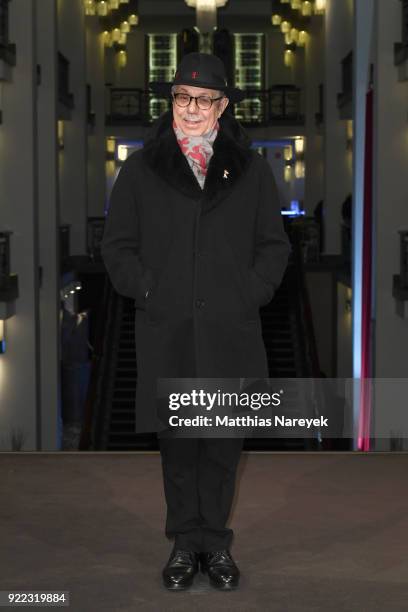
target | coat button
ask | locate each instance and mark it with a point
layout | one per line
(200, 303)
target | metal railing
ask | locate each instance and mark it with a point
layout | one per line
(280, 104)
(307, 337)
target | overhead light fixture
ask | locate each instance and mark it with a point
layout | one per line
(206, 4)
(307, 9)
(122, 152)
(300, 169)
(285, 26)
(303, 38)
(110, 145)
(90, 7)
(276, 20)
(102, 8)
(115, 34)
(206, 13)
(125, 27)
(288, 173)
(106, 37)
(288, 57)
(288, 152)
(133, 19)
(60, 126)
(122, 58)
(300, 145)
(294, 35)
(113, 4)
(320, 7)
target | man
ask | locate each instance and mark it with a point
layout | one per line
(194, 235)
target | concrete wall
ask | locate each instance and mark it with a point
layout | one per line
(49, 221)
(338, 175)
(314, 148)
(73, 159)
(390, 191)
(20, 388)
(95, 76)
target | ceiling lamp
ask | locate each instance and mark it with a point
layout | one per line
(296, 4)
(300, 169)
(276, 20)
(124, 1)
(122, 38)
(125, 27)
(294, 35)
(110, 145)
(288, 173)
(285, 27)
(288, 57)
(320, 7)
(303, 38)
(307, 9)
(133, 19)
(102, 8)
(122, 152)
(107, 39)
(115, 35)
(113, 4)
(90, 7)
(299, 145)
(288, 152)
(206, 4)
(122, 60)
(206, 13)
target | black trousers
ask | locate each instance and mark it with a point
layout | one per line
(199, 482)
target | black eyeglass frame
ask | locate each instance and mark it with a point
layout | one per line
(196, 98)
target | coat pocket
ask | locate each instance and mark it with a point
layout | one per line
(261, 293)
(253, 290)
(243, 283)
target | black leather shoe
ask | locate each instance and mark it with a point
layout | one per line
(180, 569)
(221, 569)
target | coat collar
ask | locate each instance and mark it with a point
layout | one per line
(230, 160)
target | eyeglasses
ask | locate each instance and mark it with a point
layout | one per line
(203, 102)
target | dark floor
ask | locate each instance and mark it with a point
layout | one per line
(314, 531)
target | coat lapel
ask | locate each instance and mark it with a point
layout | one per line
(228, 163)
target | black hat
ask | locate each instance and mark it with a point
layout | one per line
(200, 70)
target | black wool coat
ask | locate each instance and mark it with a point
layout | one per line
(208, 258)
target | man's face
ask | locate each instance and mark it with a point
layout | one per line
(193, 120)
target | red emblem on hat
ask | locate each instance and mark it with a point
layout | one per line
(194, 75)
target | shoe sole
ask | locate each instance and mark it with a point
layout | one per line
(221, 587)
(178, 587)
(183, 587)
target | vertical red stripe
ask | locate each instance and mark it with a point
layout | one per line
(365, 395)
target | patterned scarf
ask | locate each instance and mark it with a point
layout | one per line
(198, 150)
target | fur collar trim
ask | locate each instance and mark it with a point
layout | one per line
(229, 162)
